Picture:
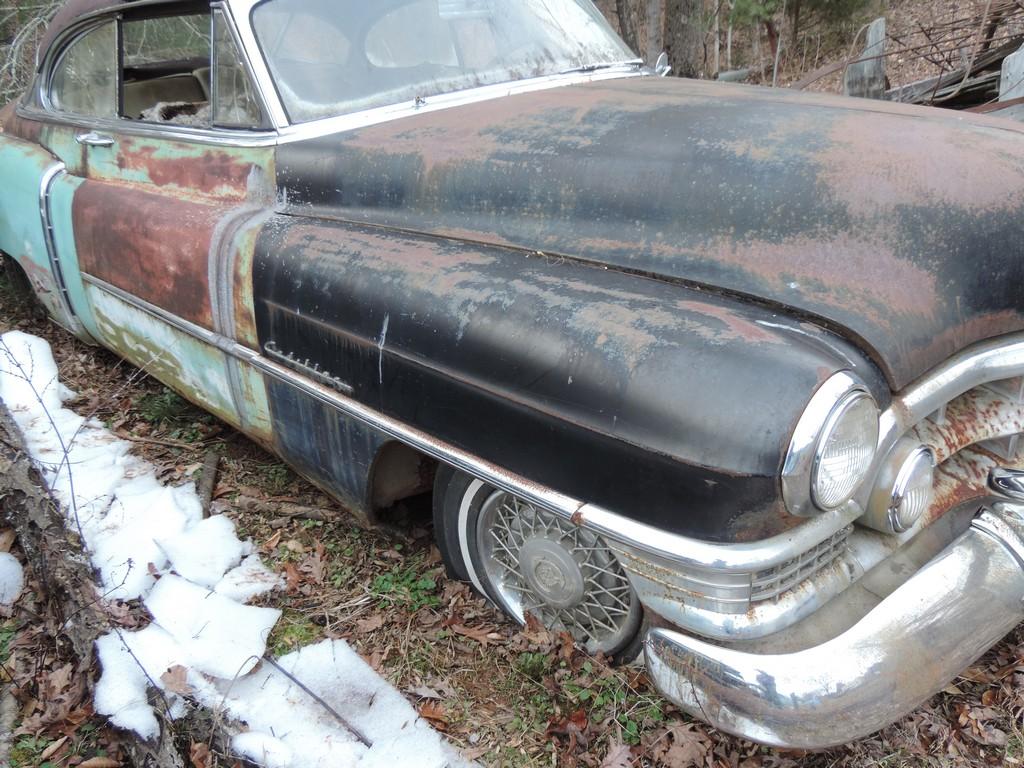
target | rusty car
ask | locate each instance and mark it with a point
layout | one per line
(732, 377)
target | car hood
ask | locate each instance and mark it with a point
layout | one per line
(898, 227)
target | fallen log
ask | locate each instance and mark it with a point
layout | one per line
(64, 574)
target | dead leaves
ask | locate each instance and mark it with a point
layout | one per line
(571, 731)
(683, 745)
(100, 762)
(369, 624)
(619, 756)
(434, 711)
(483, 635)
(199, 755)
(175, 680)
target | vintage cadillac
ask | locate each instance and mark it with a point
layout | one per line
(732, 375)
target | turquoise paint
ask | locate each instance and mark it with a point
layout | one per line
(22, 166)
(61, 199)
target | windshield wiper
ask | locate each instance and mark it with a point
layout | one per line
(636, 63)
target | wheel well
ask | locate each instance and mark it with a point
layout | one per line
(399, 472)
(15, 276)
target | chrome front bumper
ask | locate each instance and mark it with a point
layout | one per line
(909, 647)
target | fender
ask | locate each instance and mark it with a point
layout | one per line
(27, 233)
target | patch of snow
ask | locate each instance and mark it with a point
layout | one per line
(270, 702)
(220, 637)
(204, 643)
(121, 690)
(249, 580)
(263, 749)
(206, 551)
(12, 578)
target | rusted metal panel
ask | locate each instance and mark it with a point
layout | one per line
(975, 417)
(150, 245)
(889, 223)
(332, 451)
(185, 169)
(625, 392)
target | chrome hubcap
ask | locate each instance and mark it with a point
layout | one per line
(564, 575)
(551, 572)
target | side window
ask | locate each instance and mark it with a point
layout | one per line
(84, 81)
(234, 102)
(175, 73)
(167, 69)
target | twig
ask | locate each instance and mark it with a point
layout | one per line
(358, 734)
(208, 480)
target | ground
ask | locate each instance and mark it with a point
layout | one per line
(506, 696)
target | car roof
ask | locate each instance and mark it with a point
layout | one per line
(72, 11)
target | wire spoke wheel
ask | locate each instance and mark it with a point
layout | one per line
(564, 575)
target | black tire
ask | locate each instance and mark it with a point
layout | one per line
(458, 501)
(449, 487)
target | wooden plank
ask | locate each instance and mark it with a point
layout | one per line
(923, 91)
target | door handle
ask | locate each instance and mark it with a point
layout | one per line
(93, 139)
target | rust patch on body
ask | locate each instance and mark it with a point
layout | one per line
(151, 246)
(919, 162)
(212, 172)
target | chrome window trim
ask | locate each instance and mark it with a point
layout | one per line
(221, 137)
(282, 132)
(53, 58)
(44, 111)
(239, 13)
(233, 30)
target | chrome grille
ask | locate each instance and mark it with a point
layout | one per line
(772, 582)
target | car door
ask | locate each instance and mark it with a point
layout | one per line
(169, 175)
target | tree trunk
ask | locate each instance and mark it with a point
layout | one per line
(654, 18)
(684, 37)
(628, 23)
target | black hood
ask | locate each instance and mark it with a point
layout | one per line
(899, 227)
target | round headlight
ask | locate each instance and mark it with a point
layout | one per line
(845, 450)
(913, 490)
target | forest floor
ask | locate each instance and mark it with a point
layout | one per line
(506, 696)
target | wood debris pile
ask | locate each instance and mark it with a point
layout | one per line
(968, 49)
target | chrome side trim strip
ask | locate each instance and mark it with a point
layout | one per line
(629, 533)
(45, 187)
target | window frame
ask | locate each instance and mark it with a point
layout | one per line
(41, 106)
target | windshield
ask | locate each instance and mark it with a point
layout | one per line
(331, 57)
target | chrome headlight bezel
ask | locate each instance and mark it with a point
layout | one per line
(822, 414)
